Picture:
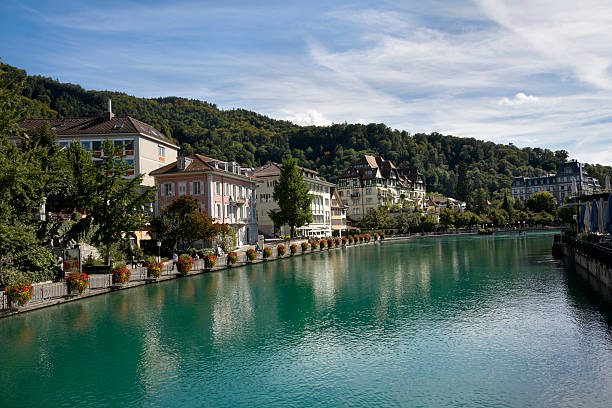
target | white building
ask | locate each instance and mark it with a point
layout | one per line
(145, 147)
(268, 175)
(570, 176)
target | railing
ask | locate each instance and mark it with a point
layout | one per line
(598, 252)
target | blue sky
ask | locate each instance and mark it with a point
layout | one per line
(523, 72)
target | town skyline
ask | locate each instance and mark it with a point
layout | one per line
(471, 69)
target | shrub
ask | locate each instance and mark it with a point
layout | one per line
(184, 264)
(344, 241)
(154, 269)
(281, 250)
(210, 261)
(251, 254)
(77, 282)
(314, 245)
(293, 249)
(20, 292)
(267, 252)
(121, 274)
(304, 246)
(232, 258)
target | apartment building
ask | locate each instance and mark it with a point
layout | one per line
(226, 191)
(144, 147)
(268, 176)
(571, 178)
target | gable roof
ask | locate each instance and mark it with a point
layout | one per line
(199, 163)
(95, 126)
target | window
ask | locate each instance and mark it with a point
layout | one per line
(86, 146)
(118, 144)
(217, 188)
(96, 146)
(356, 211)
(182, 188)
(225, 189)
(355, 183)
(129, 144)
(234, 192)
(162, 151)
(368, 200)
(218, 210)
(327, 201)
(64, 144)
(196, 188)
(368, 191)
(168, 190)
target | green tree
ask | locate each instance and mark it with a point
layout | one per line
(480, 204)
(293, 198)
(447, 217)
(119, 202)
(542, 201)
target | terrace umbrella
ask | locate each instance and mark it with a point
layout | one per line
(602, 216)
(609, 214)
(594, 216)
(587, 218)
(581, 219)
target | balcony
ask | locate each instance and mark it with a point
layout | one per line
(237, 201)
(356, 194)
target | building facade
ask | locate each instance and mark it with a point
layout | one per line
(225, 190)
(338, 212)
(571, 178)
(320, 226)
(144, 147)
(372, 182)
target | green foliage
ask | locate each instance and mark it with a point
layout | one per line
(451, 165)
(542, 201)
(181, 221)
(447, 217)
(376, 219)
(227, 239)
(293, 198)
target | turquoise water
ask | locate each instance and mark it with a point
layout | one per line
(473, 321)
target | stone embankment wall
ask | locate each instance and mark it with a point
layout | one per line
(590, 260)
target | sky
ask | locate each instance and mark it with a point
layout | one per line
(531, 73)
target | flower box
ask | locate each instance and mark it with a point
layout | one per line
(293, 249)
(232, 258)
(281, 250)
(344, 241)
(210, 261)
(251, 254)
(304, 246)
(121, 274)
(154, 269)
(314, 245)
(184, 264)
(267, 253)
(20, 293)
(77, 282)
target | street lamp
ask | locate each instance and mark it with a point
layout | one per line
(158, 251)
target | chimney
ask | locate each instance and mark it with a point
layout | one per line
(108, 115)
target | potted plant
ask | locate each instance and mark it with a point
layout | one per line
(232, 258)
(304, 246)
(367, 238)
(337, 242)
(330, 243)
(154, 269)
(77, 282)
(184, 264)
(322, 243)
(210, 261)
(20, 292)
(382, 236)
(293, 249)
(267, 252)
(314, 245)
(251, 254)
(376, 236)
(344, 241)
(121, 274)
(351, 240)
(281, 250)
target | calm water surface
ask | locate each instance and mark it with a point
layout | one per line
(472, 321)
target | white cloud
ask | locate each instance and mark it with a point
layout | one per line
(306, 118)
(519, 99)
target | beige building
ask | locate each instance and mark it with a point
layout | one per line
(372, 182)
(145, 147)
(338, 212)
(268, 175)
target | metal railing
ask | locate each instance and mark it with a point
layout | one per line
(598, 252)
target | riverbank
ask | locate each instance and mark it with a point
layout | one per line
(56, 293)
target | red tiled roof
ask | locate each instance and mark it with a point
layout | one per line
(95, 126)
(199, 163)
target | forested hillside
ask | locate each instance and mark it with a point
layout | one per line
(252, 139)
